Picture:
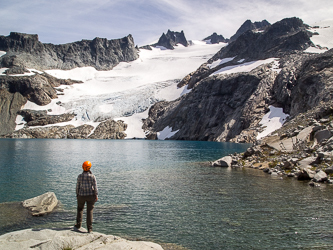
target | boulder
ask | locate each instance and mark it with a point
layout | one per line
(306, 174)
(321, 135)
(306, 162)
(67, 238)
(320, 176)
(329, 170)
(223, 162)
(41, 204)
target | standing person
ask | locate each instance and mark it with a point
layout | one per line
(86, 192)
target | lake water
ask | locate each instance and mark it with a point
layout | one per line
(164, 191)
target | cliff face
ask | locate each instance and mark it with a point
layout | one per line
(100, 53)
(229, 107)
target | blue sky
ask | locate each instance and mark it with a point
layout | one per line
(63, 21)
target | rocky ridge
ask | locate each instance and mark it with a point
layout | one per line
(25, 50)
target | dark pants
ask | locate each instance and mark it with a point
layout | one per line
(81, 200)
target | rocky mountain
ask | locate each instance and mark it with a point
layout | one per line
(27, 51)
(223, 106)
(249, 25)
(215, 38)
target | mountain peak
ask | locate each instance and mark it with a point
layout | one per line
(215, 38)
(249, 25)
(171, 39)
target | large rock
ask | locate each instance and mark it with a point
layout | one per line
(320, 176)
(10, 104)
(41, 204)
(110, 129)
(56, 239)
(306, 174)
(223, 162)
(80, 132)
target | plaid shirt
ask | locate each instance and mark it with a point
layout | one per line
(86, 184)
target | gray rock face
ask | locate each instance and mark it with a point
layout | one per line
(41, 204)
(110, 129)
(26, 50)
(171, 39)
(10, 104)
(217, 109)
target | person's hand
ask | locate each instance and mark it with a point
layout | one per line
(96, 198)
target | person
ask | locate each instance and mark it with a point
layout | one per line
(86, 192)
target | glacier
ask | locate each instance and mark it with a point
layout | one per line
(128, 90)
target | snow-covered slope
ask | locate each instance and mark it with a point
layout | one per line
(127, 91)
(323, 40)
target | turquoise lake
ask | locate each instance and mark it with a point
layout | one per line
(164, 191)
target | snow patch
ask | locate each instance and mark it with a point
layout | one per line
(166, 133)
(20, 122)
(134, 125)
(220, 61)
(185, 90)
(245, 67)
(272, 121)
(2, 53)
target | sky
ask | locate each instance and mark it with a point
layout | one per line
(64, 21)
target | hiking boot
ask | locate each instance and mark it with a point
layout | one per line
(76, 227)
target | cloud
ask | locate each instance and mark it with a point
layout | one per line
(62, 21)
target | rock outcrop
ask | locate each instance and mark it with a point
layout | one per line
(54, 132)
(67, 238)
(40, 117)
(27, 51)
(41, 204)
(110, 129)
(171, 39)
(10, 104)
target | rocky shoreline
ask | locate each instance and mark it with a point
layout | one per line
(301, 149)
(63, 238)
(68, 238)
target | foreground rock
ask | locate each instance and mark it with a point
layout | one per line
(69, 239)
(41, 204)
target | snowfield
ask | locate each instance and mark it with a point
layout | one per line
(128, 90)
(324, 38)
(245, 67)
